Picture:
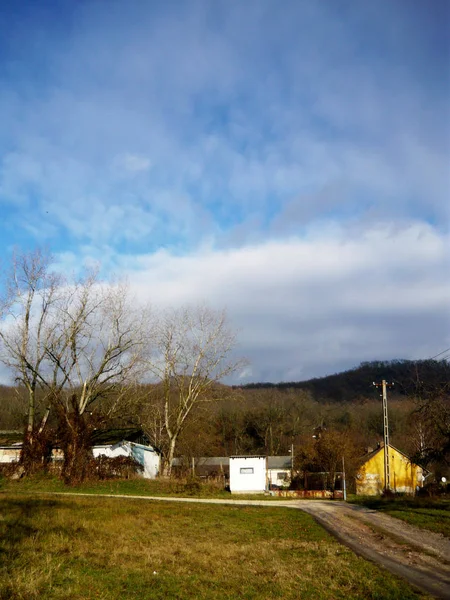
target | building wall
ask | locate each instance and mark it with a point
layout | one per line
(280, 477)
(405, 476)
(9, 455)
(247, 474)
(144, 455)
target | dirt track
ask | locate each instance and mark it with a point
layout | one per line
(419, 556)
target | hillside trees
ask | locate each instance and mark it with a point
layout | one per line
(432, 422)
(192, 350)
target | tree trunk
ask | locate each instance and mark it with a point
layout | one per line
(167, 469)
(75, 438)
(36, 451)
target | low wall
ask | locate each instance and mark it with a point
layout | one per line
(308, 494)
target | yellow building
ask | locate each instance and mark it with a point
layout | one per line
(405, 476)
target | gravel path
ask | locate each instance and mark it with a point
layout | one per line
(419, 556)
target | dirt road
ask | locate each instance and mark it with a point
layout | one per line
(419, 556)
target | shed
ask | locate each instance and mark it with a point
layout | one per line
(279, 471)
(405, 476)
(10, 453)
(147, 456)
(248, 474)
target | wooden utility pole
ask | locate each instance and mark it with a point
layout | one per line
(387, 473)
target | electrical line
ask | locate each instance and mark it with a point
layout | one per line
(443, 352)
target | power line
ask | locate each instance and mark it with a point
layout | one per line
(443, 352)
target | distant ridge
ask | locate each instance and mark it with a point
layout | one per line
(410, 377)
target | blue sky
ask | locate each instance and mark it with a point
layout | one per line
(288, 161)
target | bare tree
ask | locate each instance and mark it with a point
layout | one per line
(27, 324)
(77, 343)
(192, 350)
(96, 353)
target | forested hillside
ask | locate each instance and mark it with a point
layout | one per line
(409, 377)
(269, 418)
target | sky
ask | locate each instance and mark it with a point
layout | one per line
(286, 161)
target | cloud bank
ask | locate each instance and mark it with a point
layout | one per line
(291, 165)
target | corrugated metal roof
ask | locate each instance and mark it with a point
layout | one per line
(279, 462)
(274, 462)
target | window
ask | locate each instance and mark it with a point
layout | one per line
(246, 470)
(281, 476)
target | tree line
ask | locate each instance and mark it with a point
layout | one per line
(76, 347)
(84, 355)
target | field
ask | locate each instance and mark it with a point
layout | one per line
(428, 513)
(98, 548)
(133, 487)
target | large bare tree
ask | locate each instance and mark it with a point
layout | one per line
(31, 293)
(97, 352)
(192, 349)
(78, 341)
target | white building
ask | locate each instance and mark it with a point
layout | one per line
(146, 456)
(10, 454)
(279, 471)
(248, 474)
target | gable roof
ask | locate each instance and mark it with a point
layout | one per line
(367, 457)
(11, 436)
(108, 437)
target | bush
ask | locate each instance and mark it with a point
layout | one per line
(123, 467)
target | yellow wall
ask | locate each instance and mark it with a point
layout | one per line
(405, 476)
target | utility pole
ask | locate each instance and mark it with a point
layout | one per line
(292, 461)
(387, 474)
(344, 488)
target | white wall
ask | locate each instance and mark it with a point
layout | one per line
(247, 474)
(9, 455)
(273, 476)
(144, 455)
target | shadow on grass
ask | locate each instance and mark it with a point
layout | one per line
(17, 516)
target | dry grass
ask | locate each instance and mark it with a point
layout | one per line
(97, 548)
(428, 513)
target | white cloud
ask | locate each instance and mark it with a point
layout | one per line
(268, 160)
(309, 306)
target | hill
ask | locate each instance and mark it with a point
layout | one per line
(409, 378)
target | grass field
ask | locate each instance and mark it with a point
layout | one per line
(137, 487)
(98, 548)
(428, 513)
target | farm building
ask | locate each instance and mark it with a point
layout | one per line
(10, 453)
(218, 467)
(112, 443)
(132, 443)
(405, 476)
(279, 471)
(10, 446)
(248, 474)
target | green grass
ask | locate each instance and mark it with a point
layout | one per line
(136, 487)
(428, 513)
(111, 549)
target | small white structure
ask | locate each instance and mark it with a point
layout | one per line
(10, 454)
(279, 471)
(146, 456)
(248, 474)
